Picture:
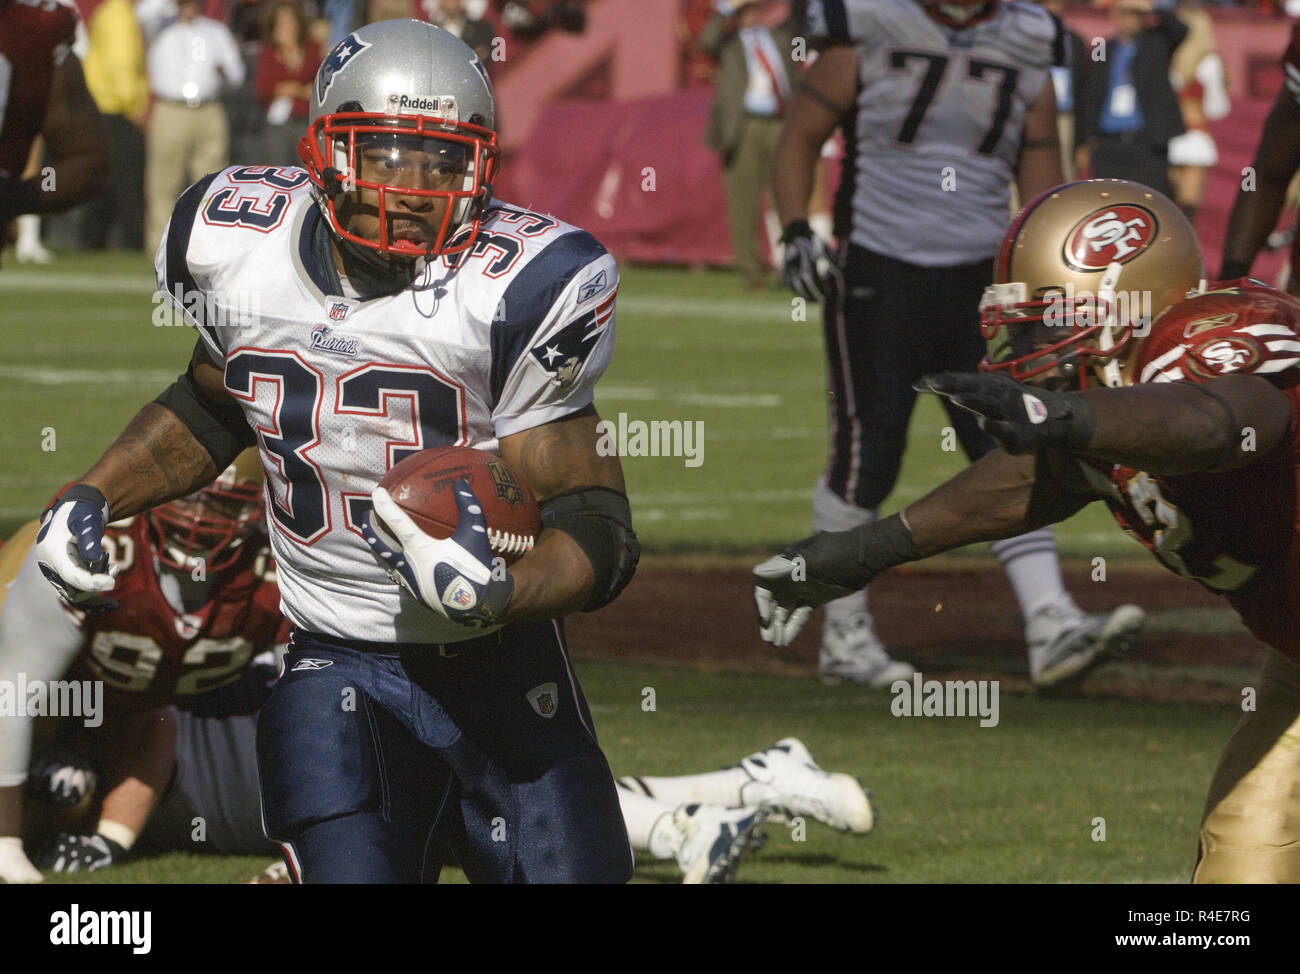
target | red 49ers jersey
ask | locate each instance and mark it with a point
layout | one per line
(35, 37)
(147, 653)
(1233, 532)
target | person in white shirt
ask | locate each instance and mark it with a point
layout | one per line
(188, 135)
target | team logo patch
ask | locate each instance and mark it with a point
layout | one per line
(324, 339)
(544, 699)
(1194, 328)
(339, 310)
(338, 59)
(563, 354)
(1112, 233)
(307, 663)
(503, 479)
(1035, 409)
(1224, 356)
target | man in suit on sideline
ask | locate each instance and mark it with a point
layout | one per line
(757, 77)
(1126, 111)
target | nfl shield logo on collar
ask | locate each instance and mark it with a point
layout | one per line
(544, 699)
(338, 310)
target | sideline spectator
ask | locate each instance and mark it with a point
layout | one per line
(1126, 110)
(286, 65)
(188, 133)
(116, 78)
(756, 80)
(452, 17)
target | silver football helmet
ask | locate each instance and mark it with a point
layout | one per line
(401, 137)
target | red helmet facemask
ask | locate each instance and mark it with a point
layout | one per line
(209, 526)
(1054, 331)
(430, 158)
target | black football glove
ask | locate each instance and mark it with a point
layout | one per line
(75, 853)
(1022, 419)
(825, 567)
(806, 262)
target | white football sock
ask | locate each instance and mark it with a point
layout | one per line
(1034, 570)
(649, 823)
(712, 788)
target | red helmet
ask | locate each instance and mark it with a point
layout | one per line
(211, 525)
(401, 132)
(961, 13)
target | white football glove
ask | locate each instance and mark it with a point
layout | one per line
(15, 868)
(452, 576)
(69, 548)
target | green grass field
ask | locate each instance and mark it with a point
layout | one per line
(959, 803)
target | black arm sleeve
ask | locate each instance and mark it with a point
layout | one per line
(222, 430)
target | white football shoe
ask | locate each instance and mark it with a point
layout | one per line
(788, 781)
(1066, 643)
(713, 840)
(851, 651)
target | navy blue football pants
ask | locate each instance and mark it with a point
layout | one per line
(375, 759)
(886, 325)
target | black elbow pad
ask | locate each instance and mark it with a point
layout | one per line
(222, 430)
(599, 519)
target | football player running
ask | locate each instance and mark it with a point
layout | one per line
(1181, 414)
(196, 600)
(944, 104)
(387, 304)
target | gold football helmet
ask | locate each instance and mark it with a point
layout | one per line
(1083, 271)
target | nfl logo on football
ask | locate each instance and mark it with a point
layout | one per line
(210, 309)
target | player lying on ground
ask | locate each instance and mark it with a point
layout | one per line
(1186, 423)
(705, 822)
(196, 601)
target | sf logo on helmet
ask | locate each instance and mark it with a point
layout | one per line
(1116, 233)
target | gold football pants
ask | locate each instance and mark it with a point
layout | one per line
(1251, 829)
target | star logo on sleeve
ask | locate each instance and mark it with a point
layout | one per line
(562, 354)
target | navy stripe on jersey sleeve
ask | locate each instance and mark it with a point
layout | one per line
(531, 295)
(178, 244)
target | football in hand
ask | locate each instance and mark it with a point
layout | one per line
(421, 485)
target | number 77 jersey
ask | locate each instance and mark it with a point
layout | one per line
(495, 341)
(932, 142)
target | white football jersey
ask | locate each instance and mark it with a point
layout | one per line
(931, 150)
(338, 390)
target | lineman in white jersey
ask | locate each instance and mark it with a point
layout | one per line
(943, 104)
(377, 304)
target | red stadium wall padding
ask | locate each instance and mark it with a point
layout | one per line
(635, 173)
